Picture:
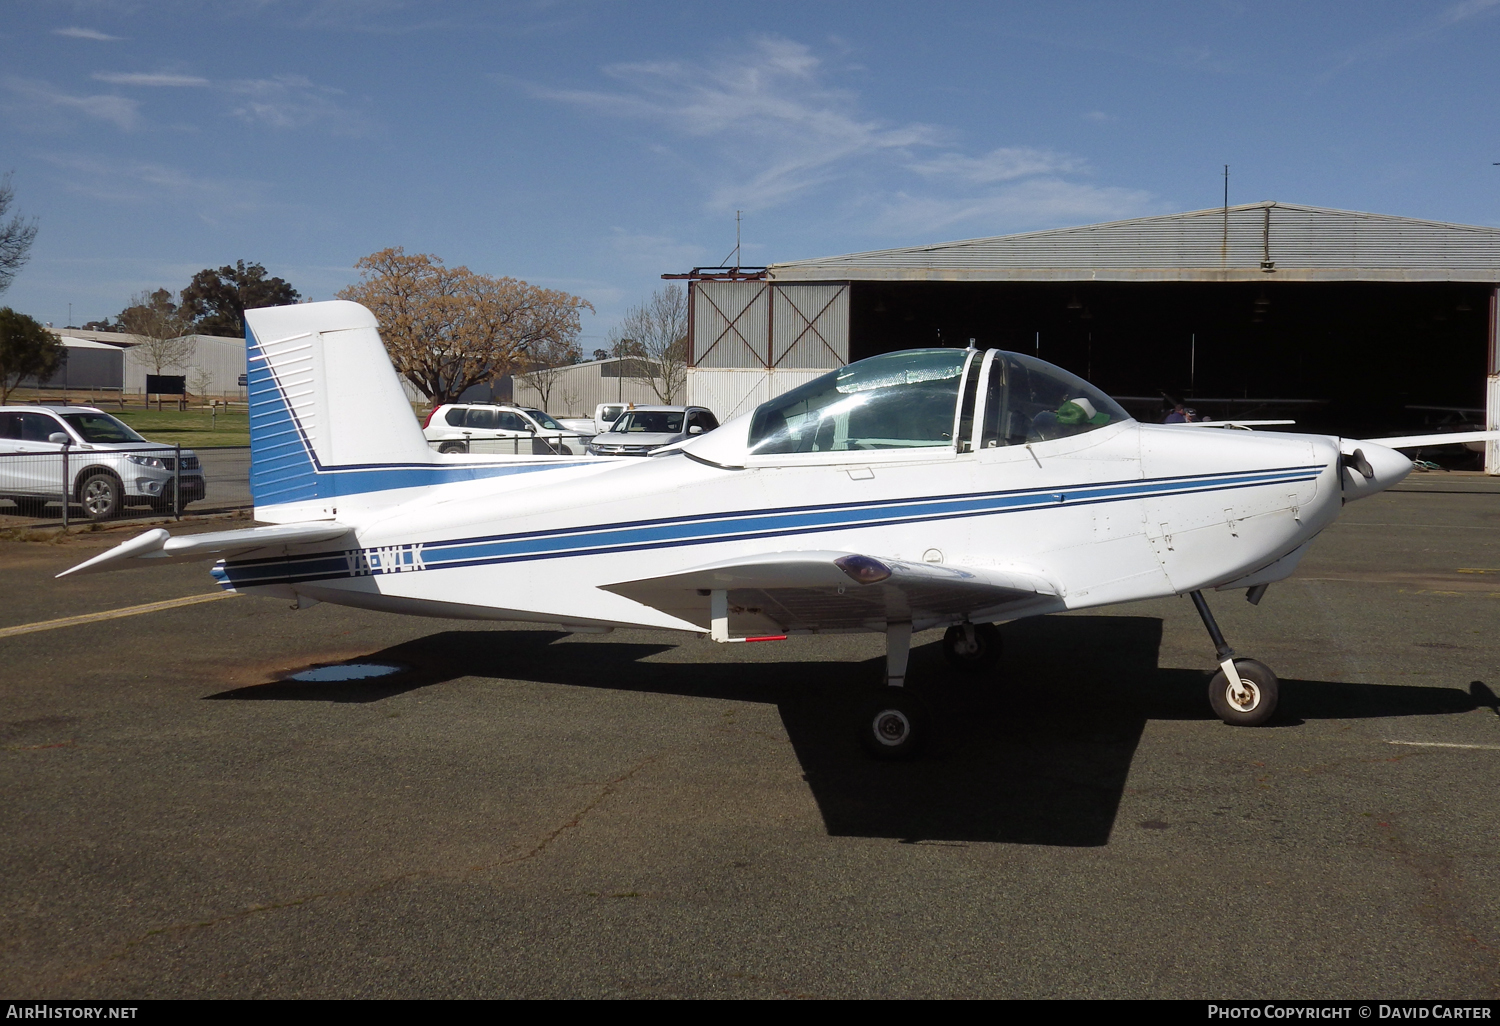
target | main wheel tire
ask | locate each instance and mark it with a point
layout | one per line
(450, 447)
(985, 654)
(101, 496)
(894, 724)
(1250, 709)
(30, 506)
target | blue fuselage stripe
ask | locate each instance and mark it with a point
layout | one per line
(727, 527)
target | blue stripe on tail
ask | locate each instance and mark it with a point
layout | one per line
(285, 468)
(282, 466)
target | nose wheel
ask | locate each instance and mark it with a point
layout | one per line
(1244, 692)
(1249, 703)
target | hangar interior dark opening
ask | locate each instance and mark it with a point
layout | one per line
(1358, 359)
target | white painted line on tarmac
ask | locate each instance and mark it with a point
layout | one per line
(112, 614)
(1444, 744)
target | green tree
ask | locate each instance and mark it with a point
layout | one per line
(16, 236)
(216, 301)
(26, 350)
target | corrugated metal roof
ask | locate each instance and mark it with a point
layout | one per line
(1299, 243)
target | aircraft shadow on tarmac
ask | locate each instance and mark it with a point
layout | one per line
(1039, 755)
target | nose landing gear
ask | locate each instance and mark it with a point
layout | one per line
(1244, 692)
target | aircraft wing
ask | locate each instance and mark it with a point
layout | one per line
(785, 592)
(1427, 441)
(160, 546)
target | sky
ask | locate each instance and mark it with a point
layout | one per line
(592, 146)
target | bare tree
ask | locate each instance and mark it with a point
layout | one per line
(161, 330)
(201, 380)
(545, 363)
(447, 328)
(658, 330)
(16, 237)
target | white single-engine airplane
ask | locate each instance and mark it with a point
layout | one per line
(929, 488)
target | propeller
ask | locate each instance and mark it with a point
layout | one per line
(1356, 462)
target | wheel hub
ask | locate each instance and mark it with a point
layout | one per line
(1244, 698)
(891, 727)
(96, 497)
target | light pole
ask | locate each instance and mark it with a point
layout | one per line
(622, 347)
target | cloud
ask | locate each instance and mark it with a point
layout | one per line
(653, 252)
(1465, 10)
(40, 99)
(767, 108)
(133, 78)
(1039, 203)
(137, 181)
(1001, 165)
(1381, 47)
(293, 101)
(1099, 116)
(87, 33)
(767, 127)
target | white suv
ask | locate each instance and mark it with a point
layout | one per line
(109, 466)
(642, 429)
(485, 427)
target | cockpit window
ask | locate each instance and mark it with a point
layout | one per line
(1027, 400)
(896, 401)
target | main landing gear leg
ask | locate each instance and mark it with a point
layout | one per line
(894, 722)
(1243, 693)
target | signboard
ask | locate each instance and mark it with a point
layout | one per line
(166, 384)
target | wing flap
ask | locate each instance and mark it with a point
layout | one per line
(810, 591)
(159, 546)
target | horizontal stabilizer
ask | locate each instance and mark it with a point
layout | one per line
(793, 591)
(1426, 441)
(160, 546)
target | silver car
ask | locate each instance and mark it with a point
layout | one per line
(107, 465)
(641, 429)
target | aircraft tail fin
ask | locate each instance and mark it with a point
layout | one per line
(328, 415)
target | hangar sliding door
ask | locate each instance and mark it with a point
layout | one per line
(750, 341)
(766, 326)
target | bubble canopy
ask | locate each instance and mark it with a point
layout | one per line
(929, 398)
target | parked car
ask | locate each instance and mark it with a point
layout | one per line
(491, 428)
(641, 429)
(605, 414)
(109, 466)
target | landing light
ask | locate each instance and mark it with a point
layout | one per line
(863, 569)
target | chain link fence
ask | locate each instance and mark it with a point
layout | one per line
(66, 484)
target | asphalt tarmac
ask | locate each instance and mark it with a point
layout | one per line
(527, 813)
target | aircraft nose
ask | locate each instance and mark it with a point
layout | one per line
(1367, 468)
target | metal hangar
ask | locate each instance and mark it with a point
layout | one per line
(1355, 323)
